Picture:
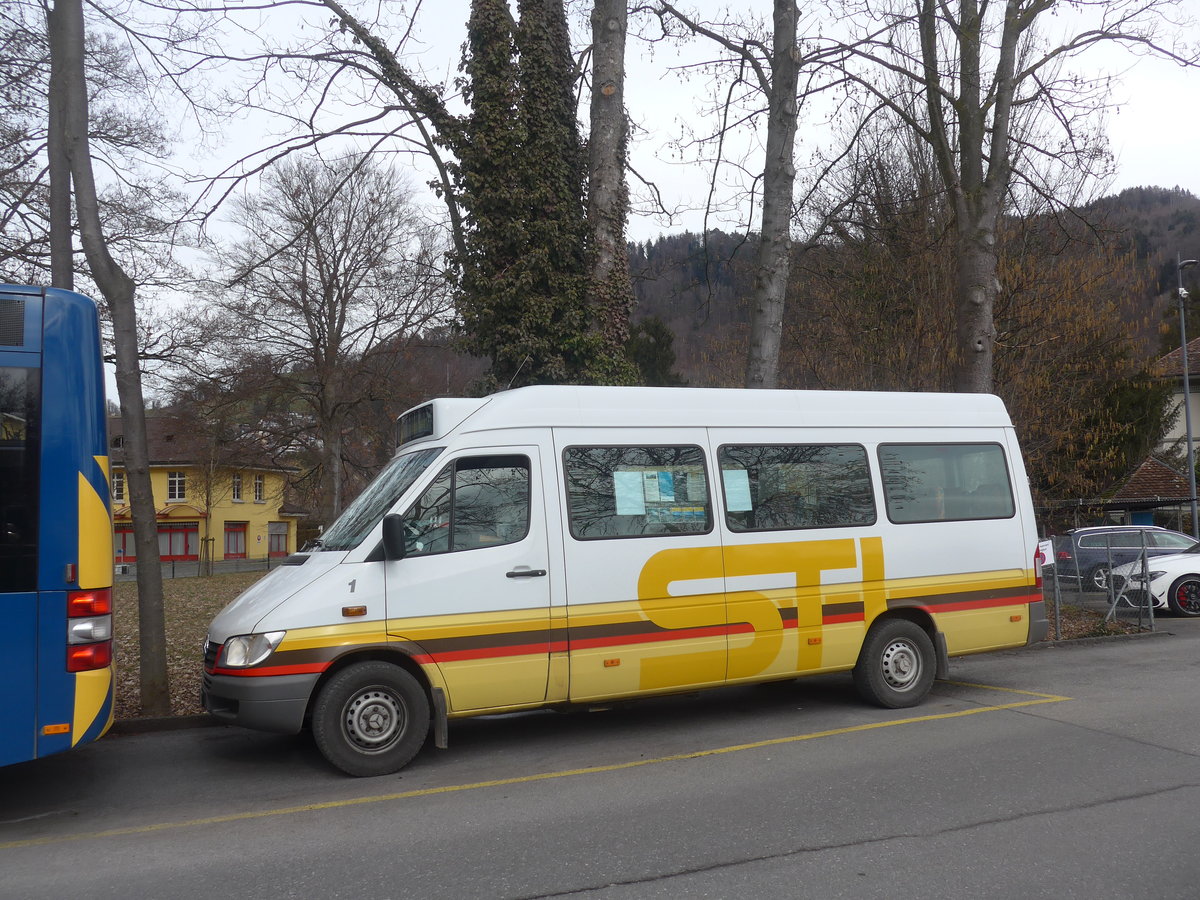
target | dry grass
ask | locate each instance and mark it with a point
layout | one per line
(190, 605)
(1079, 622)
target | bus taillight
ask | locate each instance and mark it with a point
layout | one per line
(89, 603)
(89, 630)
(86, 657)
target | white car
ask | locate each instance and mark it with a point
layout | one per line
(1174, 582)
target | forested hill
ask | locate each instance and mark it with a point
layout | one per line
(699, 285)
(1157, 222)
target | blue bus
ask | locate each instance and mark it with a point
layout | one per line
(56, 564)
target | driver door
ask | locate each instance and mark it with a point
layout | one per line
(472, 589)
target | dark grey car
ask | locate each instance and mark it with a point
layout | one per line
(1083, 555)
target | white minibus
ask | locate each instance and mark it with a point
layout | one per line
(549, 546)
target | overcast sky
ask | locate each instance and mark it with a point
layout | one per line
(1154, 124)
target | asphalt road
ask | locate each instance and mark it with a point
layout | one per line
(1070, 771)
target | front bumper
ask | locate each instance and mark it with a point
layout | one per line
(1135, 595)
(276, 703)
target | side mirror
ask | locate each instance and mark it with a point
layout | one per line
(393, 536)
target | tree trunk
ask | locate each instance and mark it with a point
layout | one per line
(65, 25)
(335, 475)
(62, 263)
(611, 289)
(975, 327)
(779, 177)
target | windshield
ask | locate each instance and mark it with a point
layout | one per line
(365, 513)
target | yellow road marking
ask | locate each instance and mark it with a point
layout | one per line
(1037, 699)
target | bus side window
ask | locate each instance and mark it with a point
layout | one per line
(474, 502)
(788, 486)
(615, 492)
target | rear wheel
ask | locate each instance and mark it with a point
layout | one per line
(896, 665)
(1184, 596)
(371, 718)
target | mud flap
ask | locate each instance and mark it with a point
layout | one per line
(943, 656)
(441, 724)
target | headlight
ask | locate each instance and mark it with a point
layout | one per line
(249, 649)
(1136, 577)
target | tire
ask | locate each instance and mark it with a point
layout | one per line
(1184, 596)
(1097, 578)
(371, 719)
(896, 665)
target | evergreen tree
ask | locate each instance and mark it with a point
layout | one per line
(523, 276)
(651, 347)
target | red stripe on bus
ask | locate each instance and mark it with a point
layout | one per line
(484, 653)
(649, 637)
(299, 669)
(982, 604)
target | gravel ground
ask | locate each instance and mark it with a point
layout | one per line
(191, 604)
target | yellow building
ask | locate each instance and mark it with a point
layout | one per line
(214, 501)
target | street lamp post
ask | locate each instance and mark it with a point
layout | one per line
(1187, 392)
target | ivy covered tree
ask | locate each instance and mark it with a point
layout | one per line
(523, 281)
(513, 175)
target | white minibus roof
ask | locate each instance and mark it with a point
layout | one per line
(565, 406)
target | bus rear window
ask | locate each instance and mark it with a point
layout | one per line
(945, 482)
(19, 452)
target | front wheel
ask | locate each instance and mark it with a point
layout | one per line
(896, 665)
(1098, 578)
(371, 719)
(1184, 596)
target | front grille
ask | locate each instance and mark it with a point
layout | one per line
(211, 649)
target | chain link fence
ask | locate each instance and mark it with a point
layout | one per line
(1104, 574)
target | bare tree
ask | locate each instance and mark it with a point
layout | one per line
(355, 82)
(992, 94)
(763, 70)
(334, 271)
(608, 192)
(69, 96)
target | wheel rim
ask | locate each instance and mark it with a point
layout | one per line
(901, 665)
(1100, 578)
(1188, 597)
(373, 719)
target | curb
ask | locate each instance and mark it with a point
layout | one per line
(150, 725)
(1097, 639)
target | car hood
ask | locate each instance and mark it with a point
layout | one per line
(248, 608)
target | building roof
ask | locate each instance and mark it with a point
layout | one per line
(1171, 365)
(1154, 480)
(173, 440)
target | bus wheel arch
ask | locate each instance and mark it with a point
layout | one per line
(370, 715)
(900, 657)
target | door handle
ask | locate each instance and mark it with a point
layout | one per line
(526, 573)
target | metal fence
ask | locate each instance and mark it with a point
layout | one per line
(191, 568)
(1083, 579)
